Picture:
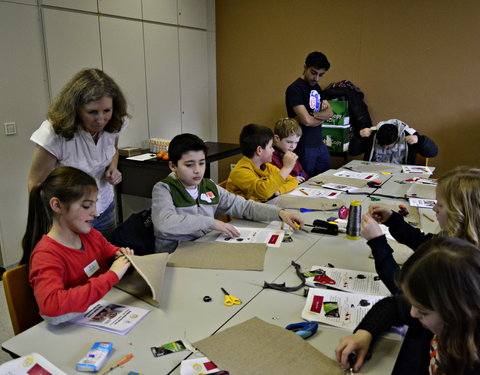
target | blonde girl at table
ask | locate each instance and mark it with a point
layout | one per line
(82, 130)
(71, 265)
(457, 211)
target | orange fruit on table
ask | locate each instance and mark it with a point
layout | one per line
(160, 154)
(165, 156)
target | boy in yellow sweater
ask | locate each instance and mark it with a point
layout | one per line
(254, 177)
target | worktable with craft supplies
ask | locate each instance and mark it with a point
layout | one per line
(139, 177)
(185, 313)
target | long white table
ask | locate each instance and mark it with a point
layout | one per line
(184, 315)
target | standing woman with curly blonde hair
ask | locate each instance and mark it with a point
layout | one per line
(82, 130)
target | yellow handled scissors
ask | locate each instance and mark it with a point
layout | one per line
(230, 300)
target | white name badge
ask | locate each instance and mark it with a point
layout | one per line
(91, 268)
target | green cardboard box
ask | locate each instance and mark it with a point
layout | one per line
(340, 113)
(336, 133)
(336, 137)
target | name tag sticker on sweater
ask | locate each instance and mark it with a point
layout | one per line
(91, 268)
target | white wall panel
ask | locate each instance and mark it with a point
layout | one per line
(72, 43)
(192, 13)
(163, 80)
(160, 11)
(86, 5)
(123, 60)
(126, 8)
(23, 100)
(194, 85)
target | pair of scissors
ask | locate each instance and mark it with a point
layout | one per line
(230, 300)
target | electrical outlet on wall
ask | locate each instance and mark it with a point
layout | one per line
(10, 128)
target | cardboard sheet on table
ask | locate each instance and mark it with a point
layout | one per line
(377, 168)
(424, 191)
(327, 179)
(292, 201)
(145, 278)
(219, 255)
(256, 347)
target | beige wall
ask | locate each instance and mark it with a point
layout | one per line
(418, 61)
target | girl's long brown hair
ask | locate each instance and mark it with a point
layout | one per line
(443, 275)
(65, 183)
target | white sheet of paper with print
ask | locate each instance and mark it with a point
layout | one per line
(143, 157)
(271, 237)
(426, 203)
(339, 187)
(416, 169)
(30, 364)
(350, 281)
(357, 175)
(315, 193)
(336, 308)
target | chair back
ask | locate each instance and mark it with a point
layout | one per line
(21, 302)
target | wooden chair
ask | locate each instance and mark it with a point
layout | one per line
(21, 303)
(225, 218)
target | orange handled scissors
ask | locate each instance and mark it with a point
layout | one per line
(230, 300)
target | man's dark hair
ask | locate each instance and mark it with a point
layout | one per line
(318, 60)
(183, 143)
(387, 134)
(252, 136)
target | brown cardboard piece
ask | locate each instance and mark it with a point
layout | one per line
(257, 348)
(219, 255)
(330, 179)
(145, 278)
(423, 191)
(323, 204)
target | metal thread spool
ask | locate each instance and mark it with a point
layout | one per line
(354, 217)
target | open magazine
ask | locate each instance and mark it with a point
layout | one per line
(111, 317)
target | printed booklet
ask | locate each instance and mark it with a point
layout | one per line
(111, 317)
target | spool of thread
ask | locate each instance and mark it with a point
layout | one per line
(354, 217)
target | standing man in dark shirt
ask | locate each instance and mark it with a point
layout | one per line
(305, 103)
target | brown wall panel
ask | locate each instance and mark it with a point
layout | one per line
(418, 61)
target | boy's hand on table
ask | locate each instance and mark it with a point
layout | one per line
(226, 228)
(300, 179)
(291, 218)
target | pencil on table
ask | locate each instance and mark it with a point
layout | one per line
(429, 218)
